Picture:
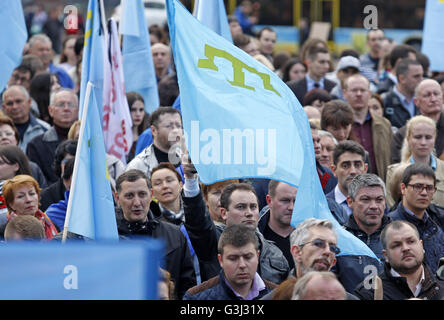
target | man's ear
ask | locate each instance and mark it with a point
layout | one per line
(365, 167)
(153, 130)
(349, 201)
(333, 169)
(219, 258)
(268, 199)
(296, 253)
(223, 214)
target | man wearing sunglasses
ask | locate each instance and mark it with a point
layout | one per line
(417, 188)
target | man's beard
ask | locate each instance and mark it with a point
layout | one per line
(401, 269)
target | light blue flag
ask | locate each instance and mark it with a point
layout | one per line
(93, 55)
(90, 207)
(242, 121)
(138, 64)
(80, 270)
(432, 35)
(13, 37)
(212, 13)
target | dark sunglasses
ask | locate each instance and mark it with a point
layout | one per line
(321, 244)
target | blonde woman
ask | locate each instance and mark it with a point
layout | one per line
(418, 146)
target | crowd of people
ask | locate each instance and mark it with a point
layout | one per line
(377, 124)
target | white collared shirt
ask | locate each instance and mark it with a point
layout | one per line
(418, 286)
(342, 200)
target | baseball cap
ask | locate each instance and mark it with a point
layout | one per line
(349, 62)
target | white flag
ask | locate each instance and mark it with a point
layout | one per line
(117, 122)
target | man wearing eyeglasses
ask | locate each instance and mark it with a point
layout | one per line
(417, 188)
(17, 106)
(166, 127)
(64, 110)
(313, 246)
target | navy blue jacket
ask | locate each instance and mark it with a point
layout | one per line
(394, 110)
(351, 270)
(217, 289)
(430, 230)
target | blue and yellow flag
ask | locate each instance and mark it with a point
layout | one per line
(138, 64)
(93, 55)
(242, 121)
(432, 35)
(91, 205)
(13, 37)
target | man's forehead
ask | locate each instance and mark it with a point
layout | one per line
(348, 156)
(324, 233)
(14, 92)
(169, 117)
(232, 250)
(64, 96)
(371, 190)
(405, 232)
(419, 178)
(242, 196)
(427, 87)
(131, 186)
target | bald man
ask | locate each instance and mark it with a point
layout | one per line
(429, 99)
(161, 60)
(17, 106)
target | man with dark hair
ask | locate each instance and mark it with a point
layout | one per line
(399, 52)
(318, 63)
(239, 205)
(274, 223)
(22, 75)
(134, 219)
(238, 256)
(166, 128)
(405, 275)
(398, 102)
(366, 199)
(370, 60)
(348, 162)
(417, 188)
(337, 118)
(234, 25)
(267, 41)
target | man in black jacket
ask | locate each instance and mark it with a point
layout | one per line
(135, 219)
(318, 65)
(405, 275)
(64, 111)
(239, 206)
(238, 280)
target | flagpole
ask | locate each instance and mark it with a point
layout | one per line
(77, 160)
(102, 16)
